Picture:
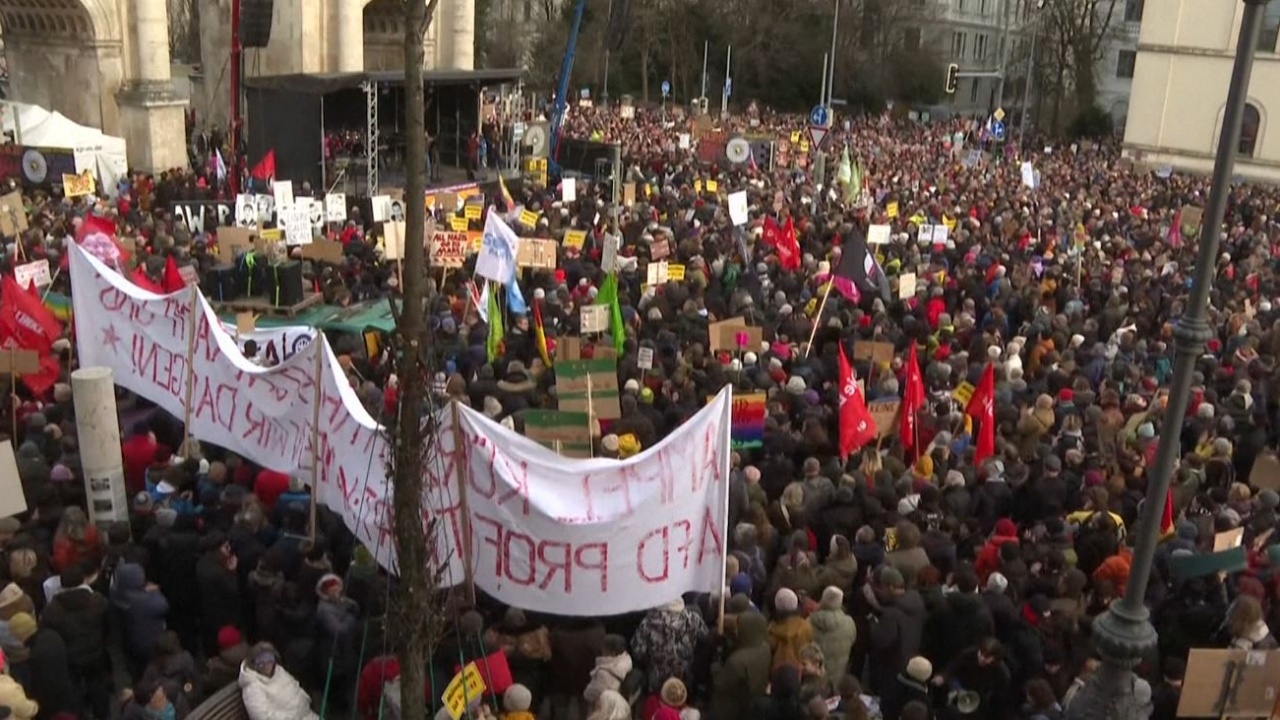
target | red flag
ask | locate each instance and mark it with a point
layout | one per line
(1174, 238)
(857, 427)
(172, 280)
(982, 407)
(789, 248)
(141, 280)
(1166, 519)
(26, 319)
(912, 401)
(265, 170)
(98, 238)
(770, 233)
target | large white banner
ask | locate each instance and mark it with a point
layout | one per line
(585, 537)
(264, 414)
(549, 534)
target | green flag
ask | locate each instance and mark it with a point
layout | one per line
(608, 295)
(494, 343)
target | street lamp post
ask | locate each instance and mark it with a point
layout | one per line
(1123, 635)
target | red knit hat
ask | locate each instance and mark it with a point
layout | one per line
(228, 637)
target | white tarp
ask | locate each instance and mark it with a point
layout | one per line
(549, 534)
(94, 150)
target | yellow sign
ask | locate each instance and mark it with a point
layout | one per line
(963, 393)
(998, 114)
(465, 687)
(697, 186)
(795, 137)
(575, 239)
(950, 222)
(712, 186)
(78, 185)
(537, 169)
(272, 235)
(473, 211)
(529, 218)
(675, 271)
(892, 209)
(458, 224)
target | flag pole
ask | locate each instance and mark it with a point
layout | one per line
(816, 318)
(14, 377)
(459, 450)
(191, 372)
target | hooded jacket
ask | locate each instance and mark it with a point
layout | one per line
(278, 697)
(834, 632)
(79, 615)
(745, 674)
(143, 611)
(13, 697)
(608, 674)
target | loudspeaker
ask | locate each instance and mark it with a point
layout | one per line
(255, 22)
(284, 283)
(221, 284)
(251, 275)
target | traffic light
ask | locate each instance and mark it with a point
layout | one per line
(953, 78)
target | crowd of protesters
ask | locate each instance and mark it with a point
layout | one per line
(899, 583)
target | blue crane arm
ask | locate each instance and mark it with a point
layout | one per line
(562, 87)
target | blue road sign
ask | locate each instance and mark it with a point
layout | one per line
(819, 116)
(728, 87)
(997, 129)
(666, 88)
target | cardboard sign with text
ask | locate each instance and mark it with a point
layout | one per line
(567, 433)
(885, 413)
(735, 335)
(448, 249)
(596, 381)
(538, 254)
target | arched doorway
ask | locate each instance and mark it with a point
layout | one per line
(65, 55)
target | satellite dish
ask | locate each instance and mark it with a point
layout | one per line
(535, 138)
(34, 167)
(738, 150)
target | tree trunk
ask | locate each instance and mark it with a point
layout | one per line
(644, 73)
(1086, 82)
(416, 621)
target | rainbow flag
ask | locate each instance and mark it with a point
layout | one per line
(748, 415)
(59, 305)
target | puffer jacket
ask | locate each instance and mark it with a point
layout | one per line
(278, 697)
(786, 637)
(745, 674)
(834, 632)
(608, 674)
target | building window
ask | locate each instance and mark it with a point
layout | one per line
(980, 47)
(973, 90)
(1270, 29)
(957, 45)
(984, 7)
(1133, 10)
(911, 38)
(1249, 128)
(1124, 64)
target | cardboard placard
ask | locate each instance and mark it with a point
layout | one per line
(1192, 216)
(1250, 674)
(232, 240)
(458, 224)
(596, 380)
(567, 433)
(727, 334)
(1228, 539)
(448, 249)
(393, 234)
(78, 185)
(568, 348)
(906, 286)
(536, 253)
(575, 239)
(13, 216)
(628, 194)
(884, 413)
(13, 499)
(877, 352)
(327, 251)
(15, 361)
(529, 218)
(246, 322)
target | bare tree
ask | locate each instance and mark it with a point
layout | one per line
(1081, 28)
(184, 31)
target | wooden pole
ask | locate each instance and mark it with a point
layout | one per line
(461, 455)
(13, 371)
(191, 372)
(316, 400)
(591, 415)
(817, 319)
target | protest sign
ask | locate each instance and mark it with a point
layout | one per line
(247, 211)
(589, 386)
(738, 212)
(567, 433)
(878, 235)
(448, 249)
(297, 223)
(568, 189)
(595, 318)
(13, 216)
(906, 286)
(335, 207)
(538, 254)
(734, 334)
(78, 185)
(879, 352)
(657, 273)
(282, 193)
(33, 272)
(644, 360)
(675, 272)
(466, 688)
(473, 211)
(575, 239)
(884, 413)
(393, 240)
(329, 251)
(13, 499)
(459, 224)
(529, 218)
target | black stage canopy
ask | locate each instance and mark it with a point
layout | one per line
(292, 114)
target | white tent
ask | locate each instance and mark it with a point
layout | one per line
(94, 150)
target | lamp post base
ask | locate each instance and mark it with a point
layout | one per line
(1122, 639)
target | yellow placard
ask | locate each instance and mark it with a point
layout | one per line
(950, 222)
(473, 211)
(892, 209)
(712, 186)
(474, 239)
(675, 271)
(78, 185)
(804, 145)
(465, 687)
(697, 186)
(963, 393)
(795, 137)
(272, 235)
(458, 224)
(529, 218)
(575, 239)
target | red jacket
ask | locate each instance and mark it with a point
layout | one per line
(137, 454)
(988, 560)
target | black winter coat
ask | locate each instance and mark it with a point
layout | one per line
(51, 684)
(79, 617)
